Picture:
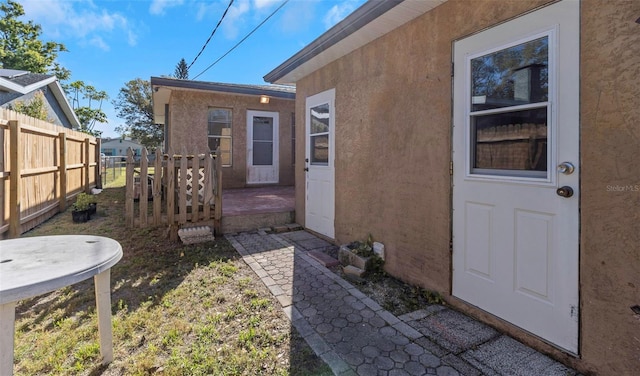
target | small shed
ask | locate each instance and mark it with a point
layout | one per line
(253, 125)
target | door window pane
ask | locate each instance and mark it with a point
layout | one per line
(262, 153)
(510, 77)
(514, 140)
(262, 128)
(320, 119)
(319, 138)
(320, 149)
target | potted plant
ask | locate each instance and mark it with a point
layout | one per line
(80, 208)
(93, 204)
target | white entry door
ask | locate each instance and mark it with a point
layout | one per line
(516, 173)
(319, 159)
(262, 147)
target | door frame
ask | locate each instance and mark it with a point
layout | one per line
(274, 167)
(566, 35)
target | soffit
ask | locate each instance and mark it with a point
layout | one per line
(162, 88)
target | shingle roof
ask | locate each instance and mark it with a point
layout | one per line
(24, 82)
(30, 79)
(23, 78)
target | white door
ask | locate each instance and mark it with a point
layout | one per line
(515, 140)
(319, 159)
(262, 147)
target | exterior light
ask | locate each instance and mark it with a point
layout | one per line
(264, 99)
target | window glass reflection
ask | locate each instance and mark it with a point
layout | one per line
(511, 141)
(510, 77)
(263, 128)
(320, 149)
(320, 119)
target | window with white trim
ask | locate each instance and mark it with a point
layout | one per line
(510, 109)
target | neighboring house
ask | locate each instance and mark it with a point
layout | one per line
(493, 148)
(21, 86)
(118, 147)
(251, 124)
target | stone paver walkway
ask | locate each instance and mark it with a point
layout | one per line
(355, 336)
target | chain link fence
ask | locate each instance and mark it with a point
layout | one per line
(113, 171)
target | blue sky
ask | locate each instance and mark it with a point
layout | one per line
(112, 42)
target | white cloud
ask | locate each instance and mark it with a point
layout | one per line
(260, 4)
(337, 13)
(84, 21)
(159, 6)
(99, 42)
(132, 38)
(234, 19)
(297, 16)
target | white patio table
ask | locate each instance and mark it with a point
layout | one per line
(36, 265)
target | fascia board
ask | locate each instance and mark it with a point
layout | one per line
(60, 95)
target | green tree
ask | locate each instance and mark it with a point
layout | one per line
(134, 106)
(22, 49)
(35, 108)
(182, 71)
(20, 46)
(91, 112)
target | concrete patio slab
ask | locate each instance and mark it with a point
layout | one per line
(454, 331)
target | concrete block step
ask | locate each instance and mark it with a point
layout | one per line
(248, 222)
(323, 258)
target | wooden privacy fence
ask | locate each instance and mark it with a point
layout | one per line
(184, 189)
(42, 165)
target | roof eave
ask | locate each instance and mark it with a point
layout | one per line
(353, 32)
(59, 93)
(162, 87)
(11, 86)
(219, 88)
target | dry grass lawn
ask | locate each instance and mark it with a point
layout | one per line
(177, 310)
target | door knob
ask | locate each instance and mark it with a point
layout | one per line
(565, 191)
(306, 168)
(566, 168)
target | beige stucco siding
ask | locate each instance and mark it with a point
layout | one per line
(188, 127)
(393, 126)
(393, 149)
(610, 205)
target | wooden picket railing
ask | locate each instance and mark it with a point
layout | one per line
(184, 189)
(42, 166)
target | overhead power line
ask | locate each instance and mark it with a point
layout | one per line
(212, 32)
(243, 39)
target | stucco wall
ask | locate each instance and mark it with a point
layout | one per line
(188, 127)
(393, 148)
(610, 206)
(393, 126)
